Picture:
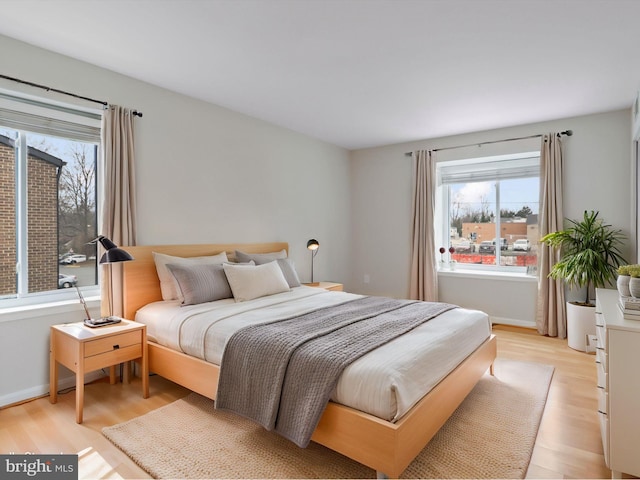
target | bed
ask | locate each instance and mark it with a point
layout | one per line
(385, 441)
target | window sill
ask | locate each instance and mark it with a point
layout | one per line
(23, 312)
(488, 275)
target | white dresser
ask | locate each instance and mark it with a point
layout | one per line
(618, 364)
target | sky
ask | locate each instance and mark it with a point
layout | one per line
(514, 194)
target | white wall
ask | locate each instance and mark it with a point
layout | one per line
(205, 174)
(597, 173)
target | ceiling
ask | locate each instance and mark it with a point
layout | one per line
(358, 73)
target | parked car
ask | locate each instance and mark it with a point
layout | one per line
(66, 281)
(503, 243)
(522, 244)
(463, 246)
(75, 258)
(487, 247)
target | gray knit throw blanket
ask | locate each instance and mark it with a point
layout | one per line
(282, 374)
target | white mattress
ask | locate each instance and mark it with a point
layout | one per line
(386, 382)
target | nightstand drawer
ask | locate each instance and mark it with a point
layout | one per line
(113, 342)
(113, 357)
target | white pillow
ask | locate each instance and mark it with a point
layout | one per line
(168, 286)
(253, 281)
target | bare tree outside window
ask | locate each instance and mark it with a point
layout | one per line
(77, 200)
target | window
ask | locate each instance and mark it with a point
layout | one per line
(48, 160)
(487, 211)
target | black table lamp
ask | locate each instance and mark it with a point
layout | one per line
(313, 245)
(112, 254)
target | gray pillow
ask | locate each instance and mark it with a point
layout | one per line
(201, 283)
(167, 281)
(288, 270)
(242, 257)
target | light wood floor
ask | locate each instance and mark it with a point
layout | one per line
(568, 443)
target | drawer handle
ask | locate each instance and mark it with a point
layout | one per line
(116, 347)
(603, 413)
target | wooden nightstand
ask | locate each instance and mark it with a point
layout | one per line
(336, 287)
(83, 349)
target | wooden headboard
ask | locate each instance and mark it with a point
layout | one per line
(140, 280)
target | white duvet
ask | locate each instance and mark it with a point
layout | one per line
(386, 382)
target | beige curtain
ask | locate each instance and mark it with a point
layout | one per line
(550, 316)
(118, 210)
(423, 284)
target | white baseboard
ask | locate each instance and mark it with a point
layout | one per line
(512, 321)
(41, 390)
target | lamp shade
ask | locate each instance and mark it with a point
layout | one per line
(106, 243)
(113, 253)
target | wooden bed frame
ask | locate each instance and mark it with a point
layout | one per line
(386, 447)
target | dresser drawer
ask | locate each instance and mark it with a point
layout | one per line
(601, 336)
(604, 432)
(114, 342)
(603, 400)
(601, 358)
(602, 376)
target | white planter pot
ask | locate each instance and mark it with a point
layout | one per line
(634, 287)
(581, 322)
(623, 285)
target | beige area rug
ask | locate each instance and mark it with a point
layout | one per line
(491, 435)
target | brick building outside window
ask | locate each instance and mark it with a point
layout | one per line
(43, 171)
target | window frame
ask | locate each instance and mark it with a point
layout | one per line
(474, 169)
(90, 119)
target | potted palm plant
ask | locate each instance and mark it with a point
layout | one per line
(589, 257)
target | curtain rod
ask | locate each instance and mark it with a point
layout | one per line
(568, 133)
(50, 89)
